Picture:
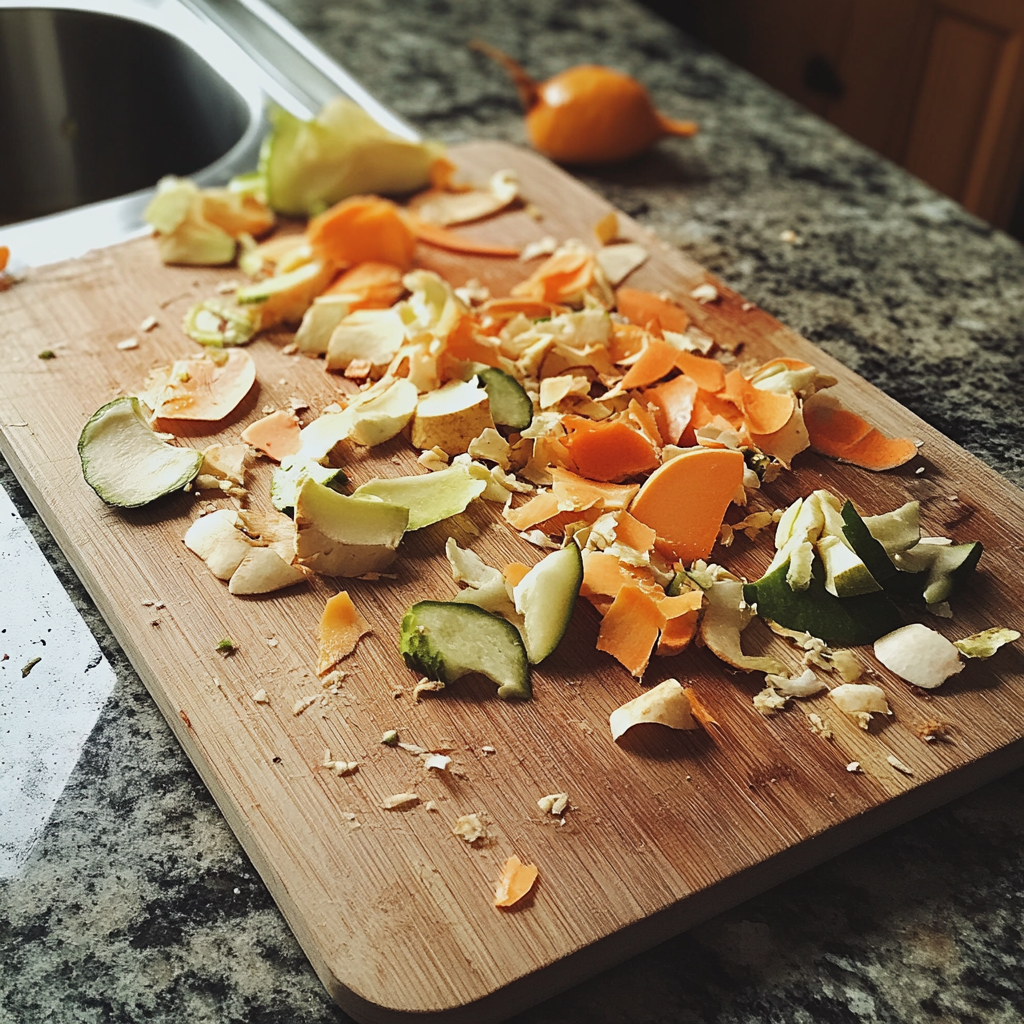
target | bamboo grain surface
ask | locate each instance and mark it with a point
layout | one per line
(665, 828)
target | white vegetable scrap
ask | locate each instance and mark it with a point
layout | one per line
(619, 261)
(807, 684)
(439, 762)
(260, 697)
(339, 767)
(148, 324)
(541, 247)
(919, 655)
(426, 686)
(705, 293)
(854, 768)
(768, 701)
(819, 726)
(554, 803)
(898, 764)
(399, 801)
(128, 343)
(665, 704)
(860, 701)
(302, 704)
(470, 828)
(847, 666)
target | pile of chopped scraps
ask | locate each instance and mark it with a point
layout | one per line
(596, 413)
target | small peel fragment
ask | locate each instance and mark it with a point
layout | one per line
(399, 801)
(860, 701)
(668, 703)
(470, 828)
(985, 643)
(341, 627)
(554, 803)
(516, 881)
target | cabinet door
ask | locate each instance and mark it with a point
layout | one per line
(967, 126)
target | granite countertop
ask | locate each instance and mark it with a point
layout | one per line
(138, 904)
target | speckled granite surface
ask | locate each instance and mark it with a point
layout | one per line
(137, 903)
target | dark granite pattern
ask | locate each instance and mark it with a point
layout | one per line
(138, 904)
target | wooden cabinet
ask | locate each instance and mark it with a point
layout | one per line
(936, 85)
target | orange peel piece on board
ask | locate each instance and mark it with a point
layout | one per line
(764, 412)
(362, 229)
(611, 450)
(341, 628)
(517, 879)
(642, 308)
(276, 435)
(562, 277)
(672, 404)
(708, 373)
(630, 628)
(685, 500)
(657, 360)
(207, 388)
(369, 285)
(841, 434)
(579, 492)
(441, 238)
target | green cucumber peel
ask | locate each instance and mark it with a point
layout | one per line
(446, 641)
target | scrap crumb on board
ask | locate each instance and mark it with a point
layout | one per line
(899, 765)
(400, 801)
(302, 704)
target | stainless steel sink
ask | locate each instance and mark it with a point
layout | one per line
(101, 98)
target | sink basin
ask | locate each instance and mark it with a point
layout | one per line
(99, 99)
(94, 106)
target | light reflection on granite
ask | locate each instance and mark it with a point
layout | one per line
(138, 903)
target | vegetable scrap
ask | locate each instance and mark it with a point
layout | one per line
(341, 628)
(588, 114)
(516, 880)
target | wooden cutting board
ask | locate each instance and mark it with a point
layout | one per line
(665, 828)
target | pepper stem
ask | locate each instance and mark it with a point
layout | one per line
(525, 85)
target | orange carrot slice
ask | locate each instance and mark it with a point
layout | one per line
(627, 341)
(442, 238)
(764, 412)
(643, 308)
(341, 627)
(560, 278)
(540, 507)
(630, 628)
(841, 434)
(206, 388)
(575, 490)
(673, 406)
(685, 500)
(362, 229)
(604, 575)
(276, 435)
(707, 407)
(682, 613)
(369, 285)
(708, 373)
(610, 450)
(466, 342)
(516, 881)
(633, 533)
(5, 255)
(657, 360)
